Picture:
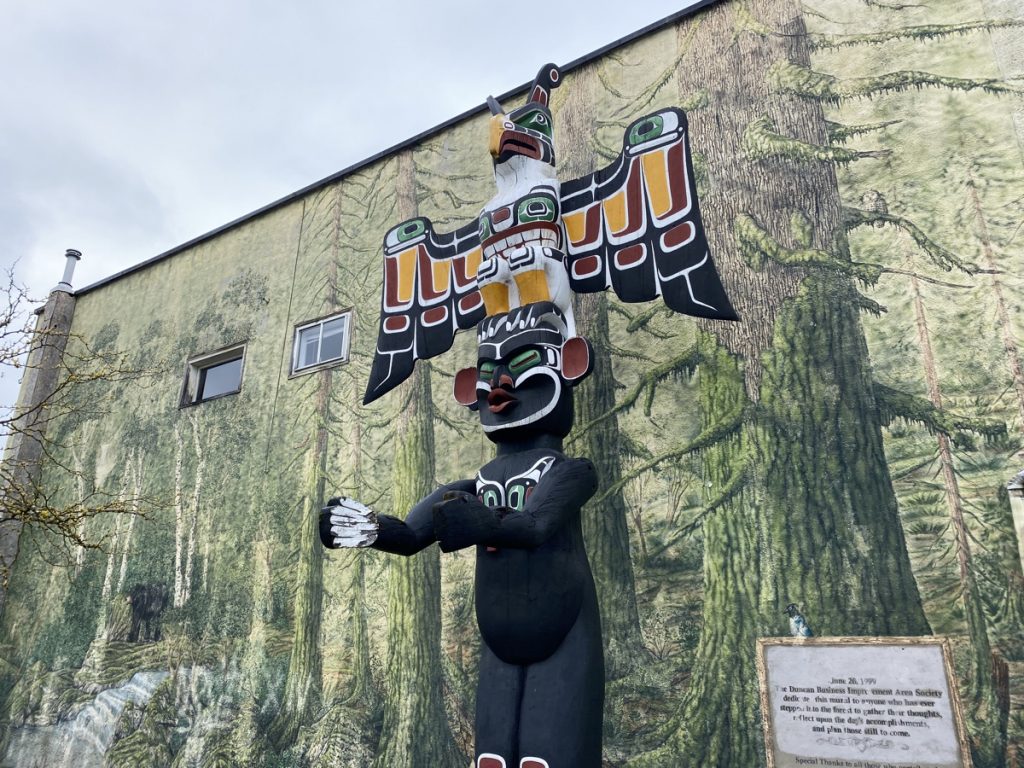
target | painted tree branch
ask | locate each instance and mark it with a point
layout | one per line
(837, 132)
(709, 437)
(647, 96)
(923, 32)
(761, 142)
(941, 257)
(731, 488)
(893, 404)
(866, 304)
(757, 247)
(891, 6)
(787, 77)
(683, 363)
(641, 320)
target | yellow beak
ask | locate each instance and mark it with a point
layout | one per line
(499, 123)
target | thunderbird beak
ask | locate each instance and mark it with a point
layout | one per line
(499, 124)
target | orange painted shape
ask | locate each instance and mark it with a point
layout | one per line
(533, 286)
(576, 226)
(615, 212)
(495, 298)
(442, 275)
(407, 274)
(656, 176)
(473, 259)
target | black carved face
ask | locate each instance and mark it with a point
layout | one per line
(523, 392)
(520, 386)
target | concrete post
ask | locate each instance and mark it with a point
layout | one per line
(24, 448)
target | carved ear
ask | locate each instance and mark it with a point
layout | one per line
(577, 360)
(465, 387)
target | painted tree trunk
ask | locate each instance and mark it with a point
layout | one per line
(1009, 339)
(989, 724)
(179, 517)
(303, 685)
(1008, 51)
(361, 687)
(197, 496)
(605, 527)
(800, 504)
(415, 731)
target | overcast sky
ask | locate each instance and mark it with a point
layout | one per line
(129, 127)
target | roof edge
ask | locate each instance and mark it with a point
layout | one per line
(407, 143)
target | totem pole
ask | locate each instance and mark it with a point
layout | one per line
(634, 226)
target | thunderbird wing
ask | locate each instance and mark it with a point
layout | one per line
(430, 293)
(635, 226)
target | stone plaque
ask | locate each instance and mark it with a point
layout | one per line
(860, 702)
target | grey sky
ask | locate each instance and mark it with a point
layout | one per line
(131, 126)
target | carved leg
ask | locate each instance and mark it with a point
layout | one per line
(498, 694)
(527, 266)
(540, 275)
(493, 279)
(563, 700)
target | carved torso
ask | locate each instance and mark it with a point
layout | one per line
(529, 598)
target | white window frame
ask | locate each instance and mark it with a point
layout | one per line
(195, 367)
(321, 364)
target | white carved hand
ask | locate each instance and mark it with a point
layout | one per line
(346, 522)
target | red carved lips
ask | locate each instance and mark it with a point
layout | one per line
(519, 144)
(499, 399)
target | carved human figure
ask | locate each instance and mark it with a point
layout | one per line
(541, 683)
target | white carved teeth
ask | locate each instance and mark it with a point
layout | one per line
(514, 243)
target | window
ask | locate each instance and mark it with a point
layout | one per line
(214, 375)
(321, 342)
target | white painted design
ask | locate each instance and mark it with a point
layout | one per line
(353, 524)
(530, 477)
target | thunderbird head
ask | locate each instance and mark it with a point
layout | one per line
(528, 130)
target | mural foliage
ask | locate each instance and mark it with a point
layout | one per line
(860, 169)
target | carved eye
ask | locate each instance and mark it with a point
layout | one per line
(524, 361)
(535, 121)
(536, 209)
(650, 128)
(486, 369)
(490, 498)
(410, 230)
(517, 497)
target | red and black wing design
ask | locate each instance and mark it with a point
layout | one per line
(635, 226)
(430, 293)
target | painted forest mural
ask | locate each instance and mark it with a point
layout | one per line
(845, 447)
